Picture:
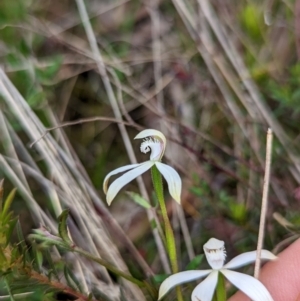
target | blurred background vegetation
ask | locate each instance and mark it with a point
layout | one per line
(213, 76)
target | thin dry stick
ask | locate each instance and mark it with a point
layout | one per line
(264, 204)
(185, 231)
(80, 121)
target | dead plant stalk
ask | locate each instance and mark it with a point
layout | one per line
(264, 204)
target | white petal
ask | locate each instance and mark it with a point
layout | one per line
(252, 287)
(205, 290)
(173, 179)
(179, 278)
(116, 171)
(248, 257)
(115, 187)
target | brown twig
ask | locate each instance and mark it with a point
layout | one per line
(80, 121)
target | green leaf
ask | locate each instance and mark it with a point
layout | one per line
(195, 262)
(252, 19)
(3, 259)
(139, 200)
(38, 256)
(46, 74)
(47, 241)
(160, 278)
(153, 224)
(238, 211)
(22, 244)
(20, 235)
(15, 256)
(11, 227)
(8, 289)
(1, 193)
(12, 11)
(63, 227)
(49, 260)
(35, 98)
(7, 203)
(6, 219)
(71, 279)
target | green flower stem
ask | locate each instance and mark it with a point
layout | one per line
(114, 270)
(220, 294)
(57, 241)
(109, 267)
(170, 239)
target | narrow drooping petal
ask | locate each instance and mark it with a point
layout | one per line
(116, 171)
(172, 178)
(179, 278)
(250, 286)
(205, 290)
(246, 258)
(119, 183)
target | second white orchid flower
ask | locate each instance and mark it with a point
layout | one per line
(215, 254)
(155, 142)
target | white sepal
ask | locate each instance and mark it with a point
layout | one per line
(119, 183)
(205, 290)
(179, 278)
(173, 179)
(151, 133)
(248, 257)
(250, 286)
(116, 171)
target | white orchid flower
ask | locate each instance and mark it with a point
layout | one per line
(155, 142)
(215, 254)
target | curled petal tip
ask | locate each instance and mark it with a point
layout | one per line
(176, 197)
(265, 254)
(105, 185)
(109, 198)
(151, 133)
(108, 201)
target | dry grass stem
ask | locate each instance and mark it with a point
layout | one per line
(264, 204)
